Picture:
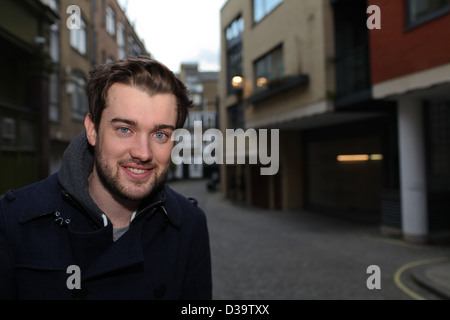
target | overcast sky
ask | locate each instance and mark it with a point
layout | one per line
(178, 31)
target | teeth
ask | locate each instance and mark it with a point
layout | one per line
(137, 170)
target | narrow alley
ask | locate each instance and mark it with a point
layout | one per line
(273, 255)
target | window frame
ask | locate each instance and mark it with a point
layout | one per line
(266, 11)
(121, 40)
(79, 38)
(110, 23)
(430, 16)
(234, 49)
(79, 101)
(267, 58)
(134, 49)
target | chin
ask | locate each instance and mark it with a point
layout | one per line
(143, 191)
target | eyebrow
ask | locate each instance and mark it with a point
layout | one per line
(134, 124)
(126, 121)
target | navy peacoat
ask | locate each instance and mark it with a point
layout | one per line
(45, 238)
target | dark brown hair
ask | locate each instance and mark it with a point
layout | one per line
(141, 72)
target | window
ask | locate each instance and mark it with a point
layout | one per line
(234, 50)
(78, 38)
(437, 119)
(209, 119)
(420, 11)
(53, 108)
(194, 116)
(262, 8)
(79, 98)
(133, 47)
(268, 68)
(235, 29)
(52, 4)
(9, 129)
(110, 21)
(235, 117)
(54, 42)
(27, 134)
(439, 137)
(54, 76)
(121, 54)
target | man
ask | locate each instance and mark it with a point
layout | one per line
(106, 226)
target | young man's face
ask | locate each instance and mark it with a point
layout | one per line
(133, 141)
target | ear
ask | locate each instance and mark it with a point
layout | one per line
(91, 133)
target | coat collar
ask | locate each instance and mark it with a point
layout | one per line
(47, 198)
(38, 200)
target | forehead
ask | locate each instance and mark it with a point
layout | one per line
(134, 103)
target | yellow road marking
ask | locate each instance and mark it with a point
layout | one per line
(398, 274)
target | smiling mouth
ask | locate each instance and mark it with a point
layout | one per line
(137, 171)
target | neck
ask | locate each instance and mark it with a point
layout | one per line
(117, 209)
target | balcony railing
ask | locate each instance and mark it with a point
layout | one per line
(279, 87)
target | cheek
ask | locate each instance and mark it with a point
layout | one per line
(111, 149)
(162, 153)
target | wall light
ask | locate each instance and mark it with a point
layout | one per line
(262, 82)
(376, 157)
(237, 81)
(352, 157)
(359, 157)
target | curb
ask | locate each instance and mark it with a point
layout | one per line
(434, 277)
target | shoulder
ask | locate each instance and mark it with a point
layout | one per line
(181, 208)
(36, 189)
(183, 200)
(32, 200)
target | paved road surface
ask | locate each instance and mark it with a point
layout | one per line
(272, 255)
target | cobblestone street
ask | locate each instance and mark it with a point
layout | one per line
(260, 254)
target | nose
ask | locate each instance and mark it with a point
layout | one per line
(140, 149)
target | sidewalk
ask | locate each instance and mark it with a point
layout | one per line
(435, 277)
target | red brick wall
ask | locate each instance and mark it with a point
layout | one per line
(395, 52)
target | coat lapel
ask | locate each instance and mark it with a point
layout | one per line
(97, 254)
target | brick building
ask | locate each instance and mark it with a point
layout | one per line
(410, 63)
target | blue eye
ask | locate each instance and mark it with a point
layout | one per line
(123, 131)
(160, 135)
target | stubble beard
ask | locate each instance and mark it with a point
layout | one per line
(112, 182)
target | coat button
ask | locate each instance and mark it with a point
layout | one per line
(160, 291)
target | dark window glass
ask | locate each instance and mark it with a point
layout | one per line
(420, 10)
(268, 68)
